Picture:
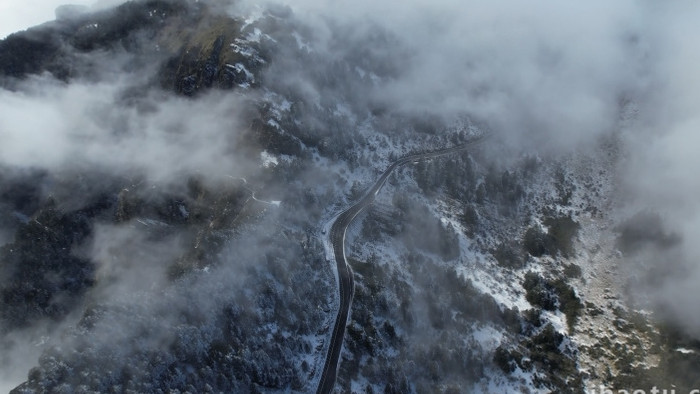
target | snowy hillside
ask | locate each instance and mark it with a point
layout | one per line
(171, 170)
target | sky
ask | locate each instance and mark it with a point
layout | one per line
(16, 15)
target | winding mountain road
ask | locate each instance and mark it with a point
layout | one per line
(346, 283)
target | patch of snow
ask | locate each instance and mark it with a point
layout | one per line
(342, 110)
(685, 351)
(183, 211)
(279, 105)
(151, 222)
(328, 246)
(239, 67)
(501, 289)
(255, 14)
(557, 319)
(487, 337)
(268, 160)
(273, 123)
(242, 48)
(285, 105)
(254, 36)
(495, 382)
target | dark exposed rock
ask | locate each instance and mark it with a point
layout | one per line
(55, 47)
(192, 44)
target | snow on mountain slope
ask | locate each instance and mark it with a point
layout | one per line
(203, 265)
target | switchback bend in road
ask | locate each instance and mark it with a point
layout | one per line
(346, 284)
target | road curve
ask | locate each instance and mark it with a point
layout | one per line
(346, 282)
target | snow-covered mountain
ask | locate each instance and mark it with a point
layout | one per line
(169, 170)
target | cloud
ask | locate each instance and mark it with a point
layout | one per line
(20, 352)
(18, 15)
(89, 125)
(536, 71)
(552, 78)
(112, 127)
(661, 162)
(546, 77)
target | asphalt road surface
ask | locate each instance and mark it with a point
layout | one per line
(346, 282)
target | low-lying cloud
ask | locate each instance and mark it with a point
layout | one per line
(660, 173)
(551, 78)
(81, 126)
(545, 74)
